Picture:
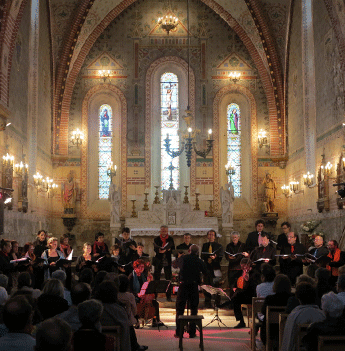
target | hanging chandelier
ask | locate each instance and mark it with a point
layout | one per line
(168, 22)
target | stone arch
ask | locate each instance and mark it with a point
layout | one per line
(221, 94)
(114, 93)
(150, 76)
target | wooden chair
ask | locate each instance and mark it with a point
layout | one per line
(282, 322)
(331, 343)
(272, 317)
(184, 320)
(301, 331)
(248, 309)
(257, 303)
(115, 331)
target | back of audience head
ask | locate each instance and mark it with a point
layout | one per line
(17, 315)
(80, 292)
(123, 283)
(3, 281)
(341, 283)
(306, 293)
(60, 275)
(3, 295)
(322, 275)
(100, 276)
(90, 312)
(86, 276)
(24, 279)
(341, 270)
(311, 269)
(54, 334)
(282, 284)
(267, 272)
(331, 305)
(53, 287)
(107, 292)
(305, 278)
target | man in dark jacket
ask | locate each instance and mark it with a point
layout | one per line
(264, 253)
(254, 238)
(163, 246)
(191, 268)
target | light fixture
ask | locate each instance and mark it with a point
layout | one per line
(8, 160)
(77, 137)
(37, 180)
(294, 187)
(235, 76)
(4, 125)
(168, 22)
(286, 190)
(328, 169)
(104, 74)
(7, 175)
(229, 170)
(20, 167)
(262, 138)
(189, 139)
(111, 171)
(308, 180)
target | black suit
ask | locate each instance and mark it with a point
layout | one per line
(252, 240)
(264, 252)
(211, 265)
(234, 268)
(292, 267)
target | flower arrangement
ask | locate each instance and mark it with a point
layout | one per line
(310, 227)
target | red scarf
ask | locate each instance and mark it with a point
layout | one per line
(164, 240)
(292, 248)
(335, 258)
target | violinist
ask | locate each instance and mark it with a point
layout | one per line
(245, 291)
(136, 280)
(234, 268)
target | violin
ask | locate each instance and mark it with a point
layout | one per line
(243, 280)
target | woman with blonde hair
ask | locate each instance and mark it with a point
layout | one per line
(85, 260)
(51, 256)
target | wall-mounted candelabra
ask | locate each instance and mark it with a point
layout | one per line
(234, 76)
(286, 190)
(45, 185)
(308, 180)
(111, 171)
(77, 137)
(7, 176)
(21, 170)
(229, 170)
(294, 187)
(262, 138)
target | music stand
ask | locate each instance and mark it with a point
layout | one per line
(156, 287)
(215, 291)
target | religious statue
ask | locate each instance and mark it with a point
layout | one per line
(227, 197)
(115, 199)
(270, 192)
(69, 193)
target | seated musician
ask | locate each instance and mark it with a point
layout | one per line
(136, 280)
(292, 265)
(266, 252)
(234, 268)
(338, 260)
(246, 286)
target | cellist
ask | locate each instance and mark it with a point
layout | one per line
(136, 280)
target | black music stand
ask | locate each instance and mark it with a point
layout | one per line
(156, 287)
(219, 292)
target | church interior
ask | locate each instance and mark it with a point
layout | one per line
(199, 114)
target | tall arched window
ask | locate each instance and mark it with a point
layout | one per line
(169, 126)
(234, 145)
(105, 143)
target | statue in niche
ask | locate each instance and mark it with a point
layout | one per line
(227, 197)
(270, 192)
(115, 200)
(69, 193)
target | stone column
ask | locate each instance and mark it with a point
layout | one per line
(309, 89)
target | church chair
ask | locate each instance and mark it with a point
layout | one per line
(301, 331)
(184, 320)
(331, 343)
(282, 322)
(254, 323)
(115, 332)
(272, 318)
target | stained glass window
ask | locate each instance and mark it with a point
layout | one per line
(169, 126)
(104, 150)
(234, 145)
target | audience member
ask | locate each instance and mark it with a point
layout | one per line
(25, 284)
(113, 313)
(323, 284)
(17, 316)
(52, 302)
(334, 324)
(53, 334)
(341, 288)
(282, 292)
(338, 259)
(80, 292)
(267, 277)
(86, 276)
(293, 301)
(306, 312)
(89, 336)
(61, 275)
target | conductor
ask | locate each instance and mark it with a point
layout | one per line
(191, 267)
